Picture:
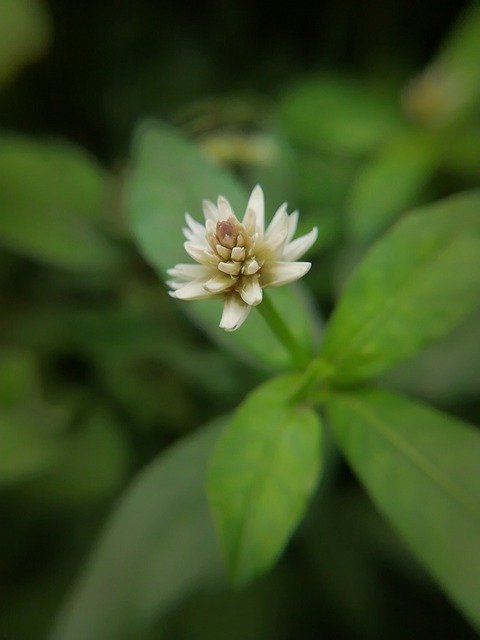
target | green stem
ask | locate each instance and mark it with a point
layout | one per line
(317, 372)
(300, 355)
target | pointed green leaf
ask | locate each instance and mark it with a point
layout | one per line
(389, 183)
(171, 177)
(413, 287)
(158, 544)
(263, 472)
(421, 468)
(338, 114)
(52, 199)
(25, 30)
(449, 88)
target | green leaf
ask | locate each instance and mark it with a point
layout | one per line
(444, 372)
(91, 464)
(19, 380)
(24, 35)
(264, 470)
(413, 287)
(171, 177)
(420, 467)
(449, 88)
(52, 199)
(158, 545)
(28, 425)
(338, 115)
(26, 450)
(389, 183)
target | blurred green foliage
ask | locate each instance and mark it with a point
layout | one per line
(352, 118)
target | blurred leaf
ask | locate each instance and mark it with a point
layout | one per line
(230, 614)
(446, 371)
(421, 469)
(18, 377)
(275, 170)
(263, 472)
(389, 183)
(344, 565)
(338, 115)
(24, 35)
(116, 339)
(92, 463)
(413, 287)
(157, 546)
(29, 426)
(52, 197)
(450, 85)
(27, 449)
(171, 177)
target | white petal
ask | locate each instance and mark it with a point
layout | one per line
(276, 241)
(211, 227)
(210, 210)
(218, 283)
(235, 312)
(279, 220)
(173, 284)
(225, 210)
(238, 254)
(223, 252)
(298, 247)
(199, 254)
(200, 240)
(232, 268)
(292, 225)
(195, 226)
(250, 267)
(191, 291)
(189, 271)
(256, 203)
(251, 291)
(198, 230)
(279, 273)
(250, 221)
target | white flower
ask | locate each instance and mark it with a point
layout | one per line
(236, 260)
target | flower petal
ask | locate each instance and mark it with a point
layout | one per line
(298, 247)
(209, 210)
(279, 220)
(189, 271)
(232, 268)
(292, 225)
(250, 221)
(256, 202)
(279, 273)
(199, 254)
(195, 231)
(218, 283)
(225, 210)
(173, 284)
(191, 291)
(251, 291)
(201, 241)
(235, 312)
(276, 241)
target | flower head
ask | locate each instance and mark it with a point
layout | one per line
(236, 260)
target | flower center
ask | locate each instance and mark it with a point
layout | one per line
(227, 233)
(236, 248)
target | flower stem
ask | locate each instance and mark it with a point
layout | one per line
(317, 372)
(299, 353)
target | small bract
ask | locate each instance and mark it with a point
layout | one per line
(236, 260)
